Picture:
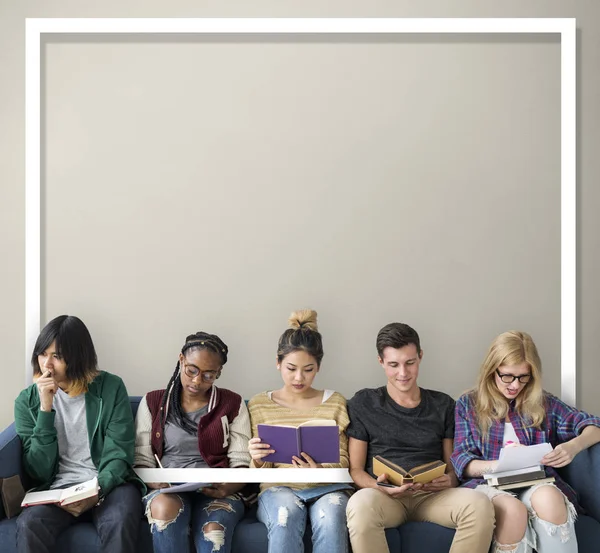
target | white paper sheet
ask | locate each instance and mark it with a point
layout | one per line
(520, 457)
(186, 487)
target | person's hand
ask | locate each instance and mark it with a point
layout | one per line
(47, 387)
(305, 462)
(258, 449)
(561, 455)
(397, 491)
(219, 491)
(443, 482)
(80, 506)
(157, 485)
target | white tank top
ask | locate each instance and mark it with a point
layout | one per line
(509, 434)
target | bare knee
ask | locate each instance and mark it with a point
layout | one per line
(511, 520)
(549, 504)
(165, 507)
(212, 527)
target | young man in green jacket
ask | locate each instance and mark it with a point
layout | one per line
(75, 424)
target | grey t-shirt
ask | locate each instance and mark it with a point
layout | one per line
(75, 463)
(407, 437)
(180, 448)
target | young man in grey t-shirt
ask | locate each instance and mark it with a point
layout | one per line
(408, 426)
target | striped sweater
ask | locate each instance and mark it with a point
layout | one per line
(263, 410)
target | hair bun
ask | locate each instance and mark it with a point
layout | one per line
(304, 318)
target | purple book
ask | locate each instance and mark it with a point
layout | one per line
(318, 438)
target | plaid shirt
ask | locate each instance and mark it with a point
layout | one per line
(562, 423)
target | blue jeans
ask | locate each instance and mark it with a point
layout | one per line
(197, 510)
(117, 521)
(285, 515)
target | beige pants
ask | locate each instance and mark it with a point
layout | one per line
(371, 511)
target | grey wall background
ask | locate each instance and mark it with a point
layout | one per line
(221, 184)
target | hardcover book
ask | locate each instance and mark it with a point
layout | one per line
(423, 474)
(64, 496)
(318, 438)
(526, 483)
(515, 476)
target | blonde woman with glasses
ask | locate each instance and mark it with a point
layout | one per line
(508, 407)
(194, 424)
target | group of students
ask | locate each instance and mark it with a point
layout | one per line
(75, 423)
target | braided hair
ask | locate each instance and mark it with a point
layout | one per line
(198, 341)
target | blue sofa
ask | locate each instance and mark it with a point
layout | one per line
(251, 535)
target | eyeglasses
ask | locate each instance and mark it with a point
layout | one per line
(193, 372)
(509, 378)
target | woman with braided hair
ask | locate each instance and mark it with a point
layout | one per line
(193, 424)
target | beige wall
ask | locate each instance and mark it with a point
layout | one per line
(217, 185)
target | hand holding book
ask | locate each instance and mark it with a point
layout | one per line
(75, 500)
(305, 461)
(394, 490)
(258, 450)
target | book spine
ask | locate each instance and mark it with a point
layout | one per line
(298, 442)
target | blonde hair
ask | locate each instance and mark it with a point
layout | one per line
(302, 335)
(509, 348)
(304, 318)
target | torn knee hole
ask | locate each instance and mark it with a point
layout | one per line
(214, 533)
(212, 527)
(335, 499)
(219, 504)
(505, 547)
(282, 516)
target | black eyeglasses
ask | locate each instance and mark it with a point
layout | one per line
(509, 378)
(193, 372)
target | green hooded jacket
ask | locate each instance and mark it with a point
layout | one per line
(110, 427)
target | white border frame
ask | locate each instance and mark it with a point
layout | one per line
(566, 28)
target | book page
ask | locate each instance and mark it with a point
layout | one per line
(319, 422)
(79, 492)
(48, 496)
(526, 470)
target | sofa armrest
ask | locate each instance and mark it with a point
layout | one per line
(10, 457)
(584, 475)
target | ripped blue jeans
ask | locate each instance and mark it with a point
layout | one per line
(196, 512)
(285, 514)
(540, 535)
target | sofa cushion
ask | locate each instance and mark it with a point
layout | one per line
(582, 473)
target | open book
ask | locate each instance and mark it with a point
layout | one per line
(65, 496)
(318, 438)
(423, 474)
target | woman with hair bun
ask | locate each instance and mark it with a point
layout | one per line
(509, 408)
(285, 508)
(193, 424)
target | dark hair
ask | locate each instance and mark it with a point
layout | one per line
(198, 341)
(74, 344)
(301, 336)
(397, 335)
